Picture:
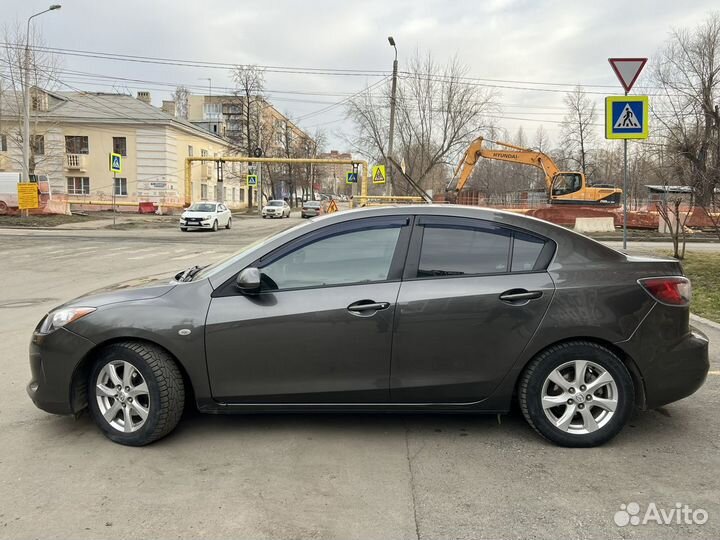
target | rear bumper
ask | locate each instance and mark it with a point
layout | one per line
(53, 359)
(678, 371)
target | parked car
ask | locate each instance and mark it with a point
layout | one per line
(312, 209)
(276, 208)
(418, 308)
(206, 215)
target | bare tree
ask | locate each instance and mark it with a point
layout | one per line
(249, 89)
(46, 147)
(578, 134)
(181, 97)
(688, 71)
(438, 114)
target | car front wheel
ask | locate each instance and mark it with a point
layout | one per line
(215, 226)
(576, 394)
(135, 393)
(183, 229)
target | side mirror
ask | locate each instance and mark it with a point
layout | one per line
(248, 281)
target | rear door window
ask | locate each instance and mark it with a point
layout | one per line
(463, 246)
(457, 251)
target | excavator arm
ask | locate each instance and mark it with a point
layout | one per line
(513, 154)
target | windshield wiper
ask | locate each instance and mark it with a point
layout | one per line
(188, 274)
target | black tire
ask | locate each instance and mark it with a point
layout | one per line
(229, 223)
(183, 229)
(530, 390)
(264, 217)
(3, 208)
(166, 391)
(215, 226)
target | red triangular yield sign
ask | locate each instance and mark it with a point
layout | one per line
(627, 70)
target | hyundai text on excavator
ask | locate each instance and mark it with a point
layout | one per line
(562, 187)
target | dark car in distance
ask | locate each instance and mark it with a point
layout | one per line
(418, 308)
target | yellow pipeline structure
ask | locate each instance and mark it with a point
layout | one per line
(362, 165)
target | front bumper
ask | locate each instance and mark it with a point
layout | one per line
(272, 214)
(196, 225)
(53, 360)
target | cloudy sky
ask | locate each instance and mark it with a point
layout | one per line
(519, 42)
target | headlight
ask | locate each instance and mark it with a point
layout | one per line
(58, 319)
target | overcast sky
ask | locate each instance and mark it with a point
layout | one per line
(564, 42)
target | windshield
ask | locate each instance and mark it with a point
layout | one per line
(275, 203)
(221, 265)
(311, 204)
(202, 207)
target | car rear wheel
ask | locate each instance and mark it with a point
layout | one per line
(576, 394)
(135, 393)
(229, 223)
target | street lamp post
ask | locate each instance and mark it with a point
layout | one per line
(389, 171)
(26, 96)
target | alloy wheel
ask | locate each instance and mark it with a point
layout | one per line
(122, 396)
(579, 397)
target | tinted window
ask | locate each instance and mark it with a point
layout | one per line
(276, 203)
(526, 250)
(202, 207)
(450, 251)
(353, 257)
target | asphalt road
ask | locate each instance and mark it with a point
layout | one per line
(323, 476)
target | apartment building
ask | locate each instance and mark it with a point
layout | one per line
(73, 134)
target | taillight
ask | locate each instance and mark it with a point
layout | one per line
(673, 291)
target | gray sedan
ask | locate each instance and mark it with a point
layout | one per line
(418, 308)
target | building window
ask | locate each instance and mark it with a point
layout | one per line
(3, 143)
(204, 153)
(120, 186)
(212, 111)
(75, 144)
(241, 195)
(120, 146)
(38, 145)
(203, 191)
(78, 185)
(190, 151)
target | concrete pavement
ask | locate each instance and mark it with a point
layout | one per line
(323, 476)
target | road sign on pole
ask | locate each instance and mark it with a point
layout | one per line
(378, 174)
(252, 180)
(352, 178)
(627, 70)
(626, 117)
(115, 163)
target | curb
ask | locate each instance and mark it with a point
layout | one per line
(703, 320)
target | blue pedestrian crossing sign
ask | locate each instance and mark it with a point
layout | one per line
(351, 178)
(252, 180)
(626, 117)
(115, 163)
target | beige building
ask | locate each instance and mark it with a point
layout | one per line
(73, 134)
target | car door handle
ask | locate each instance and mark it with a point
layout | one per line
(363, 306)
(519, 295)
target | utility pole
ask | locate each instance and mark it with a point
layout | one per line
(393, 93)
(26, 96)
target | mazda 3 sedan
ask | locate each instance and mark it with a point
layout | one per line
(426, 308)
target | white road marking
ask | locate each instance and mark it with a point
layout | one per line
(147, 256)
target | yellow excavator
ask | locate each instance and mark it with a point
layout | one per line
(562, 187)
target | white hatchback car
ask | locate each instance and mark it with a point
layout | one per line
(276, 208)
(206, 215)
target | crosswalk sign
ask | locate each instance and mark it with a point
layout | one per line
(252, 180)
(626, 117)
(378, 174)
(115, 163)
(351, 178)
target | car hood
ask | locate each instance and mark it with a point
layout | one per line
(136, 289)
(197, 214)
